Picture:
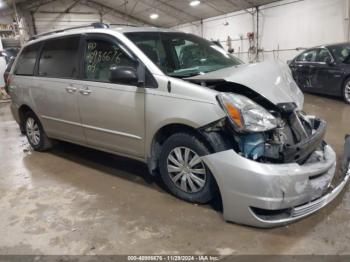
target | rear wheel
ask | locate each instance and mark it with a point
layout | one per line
(346, 91)
(183, 171)
(35, 133)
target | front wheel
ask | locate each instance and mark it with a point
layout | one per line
(346, 91)
(35, 133)
(184, 172)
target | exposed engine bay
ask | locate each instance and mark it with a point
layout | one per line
(294, 139)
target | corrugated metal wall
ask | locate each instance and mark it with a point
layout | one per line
(284, 25)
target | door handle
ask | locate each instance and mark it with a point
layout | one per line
(71, 90)
(86, 91)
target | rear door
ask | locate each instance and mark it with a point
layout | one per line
(57, 75)
(113, 115)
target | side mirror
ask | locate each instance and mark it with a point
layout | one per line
(123, 75)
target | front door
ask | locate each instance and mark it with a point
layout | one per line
(113, 115)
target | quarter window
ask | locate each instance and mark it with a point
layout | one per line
(60, 58)
(26, 61)
(100, 56)
(308, 56)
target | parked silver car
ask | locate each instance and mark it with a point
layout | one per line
(201, 119)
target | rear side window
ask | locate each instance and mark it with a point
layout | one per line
(26, 61)
(60, 58)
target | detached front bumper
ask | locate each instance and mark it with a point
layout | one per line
(269, 195)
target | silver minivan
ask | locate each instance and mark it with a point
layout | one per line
(205, 122)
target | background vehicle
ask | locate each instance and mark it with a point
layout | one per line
(324, 70)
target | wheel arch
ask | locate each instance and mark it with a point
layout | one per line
(22, 110)
(213, 141)
(343, 86)
(160, 137)
(345, 79)
(207, 139)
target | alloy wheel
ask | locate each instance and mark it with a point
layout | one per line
(347, 92)
(186, 170)
(33, 131)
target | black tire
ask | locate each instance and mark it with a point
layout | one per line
(346, 91)
(191, 142)
(44, 143)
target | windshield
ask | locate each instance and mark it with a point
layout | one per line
(182, 55)
(341, 52)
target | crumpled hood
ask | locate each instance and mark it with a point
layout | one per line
(272, 80)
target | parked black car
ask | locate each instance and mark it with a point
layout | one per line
(324, 70)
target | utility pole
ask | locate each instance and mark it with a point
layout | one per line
(347, 19)
(257, 33)
(202, 27)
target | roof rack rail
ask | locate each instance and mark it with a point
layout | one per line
(121, 24)
(94, 25)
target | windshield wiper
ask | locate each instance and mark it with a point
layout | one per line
(185, 75)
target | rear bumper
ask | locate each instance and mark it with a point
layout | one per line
(269, 195)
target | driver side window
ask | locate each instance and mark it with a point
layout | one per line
(100, 56)
(308, 56)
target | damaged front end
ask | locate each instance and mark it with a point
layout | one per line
(294, 139)
(271, 164)
(272, 133)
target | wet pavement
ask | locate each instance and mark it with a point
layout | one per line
(74, 200)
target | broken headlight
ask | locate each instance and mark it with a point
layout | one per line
(245, 114)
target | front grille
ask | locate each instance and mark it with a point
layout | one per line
(272, 215)
(308, 208)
